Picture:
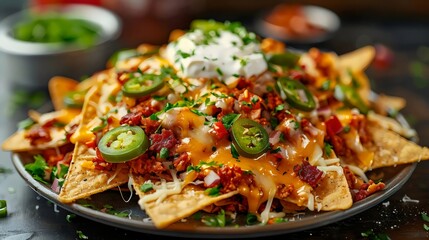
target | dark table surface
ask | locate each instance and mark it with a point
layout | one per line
(33, 217)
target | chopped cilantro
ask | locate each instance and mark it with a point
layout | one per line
(214, 191)
(279, 107)
(234, 152)
(197, 168)
(215, 221)
(346, 129)
(60, 175)
(426, 227)
(277, 150)
(199, 113)
(80, 235)
(243, 62)
(69, 217)
(254, 99)
(103, 124)
(375, 236)
(145, 187)
(159, 98)
(269, 89)
(325, 85)
(274, 122)
(110, 210)
(229, 119)
(327, 148)
(280, 220)
(25, 124)
(164, 153)
(251, 219)
(37, 168)
(198, 215)
(425, 217)
(236, 75)
(219, 71)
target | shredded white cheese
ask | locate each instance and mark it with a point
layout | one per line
(408, 199)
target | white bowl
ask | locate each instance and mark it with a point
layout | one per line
(316, 16)
(31, 65)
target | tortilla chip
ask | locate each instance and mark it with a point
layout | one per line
(83, 180)
(333, 192)
(357, 60)
(18, 143)
(178, 206)
(392, 149)
(58, 88)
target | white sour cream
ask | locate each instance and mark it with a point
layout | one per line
(224, 56)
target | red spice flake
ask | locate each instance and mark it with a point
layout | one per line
(165, 139)
(308, 173)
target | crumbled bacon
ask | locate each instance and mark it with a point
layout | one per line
(182, 162)
(308, 173)
(38, 135)
(150, 126)
(145, 107)
(100, 163)
(132, 118)
(367, 189)
(71, 131)
(144, 165)
(232, 176)
(165, 139)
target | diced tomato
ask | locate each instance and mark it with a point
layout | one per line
(220, 130)
(333, 125)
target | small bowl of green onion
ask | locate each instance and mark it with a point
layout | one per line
(71, 40)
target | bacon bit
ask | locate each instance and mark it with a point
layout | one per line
(359, 122)
(132, 118)
(100, 163)
(367, 189)
(144, 165)
(308, 173)
(219, 130)
(145, 107)
(38, 135)
(182, 162)
(243, 83)
(150, 126)
(165, 139)
(232, 176)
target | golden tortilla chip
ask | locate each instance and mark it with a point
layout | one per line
(177, 206)
(392, 149)
(18, 143)
(333, 192)
(357, 60)
(58, 88)
(83, 180)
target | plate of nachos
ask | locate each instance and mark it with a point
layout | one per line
(219, 128)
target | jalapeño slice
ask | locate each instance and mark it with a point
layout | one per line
(286, 59)
(123, 143)
(249, 138)
(74, 99)
(140, 86)
(296, 94)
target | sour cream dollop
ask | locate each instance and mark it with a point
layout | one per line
(224, 56)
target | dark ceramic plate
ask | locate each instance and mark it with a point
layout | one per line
(138, 221)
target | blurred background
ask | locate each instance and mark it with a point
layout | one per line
(398, 29)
